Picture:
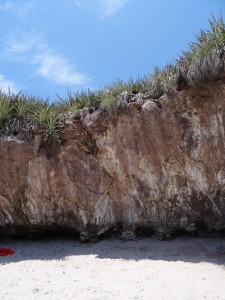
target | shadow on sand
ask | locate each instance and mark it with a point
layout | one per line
(186, 249)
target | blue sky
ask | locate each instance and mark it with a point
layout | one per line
(48, 47)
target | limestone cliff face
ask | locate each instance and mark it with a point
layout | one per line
(158, 166)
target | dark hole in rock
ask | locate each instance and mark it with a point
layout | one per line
(15, 132)
(144, 231)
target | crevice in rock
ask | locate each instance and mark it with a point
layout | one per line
(158, 103)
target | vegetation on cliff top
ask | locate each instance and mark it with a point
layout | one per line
(204, 61)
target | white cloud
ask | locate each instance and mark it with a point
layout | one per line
(6, 85)
(111, 7)
(32, 50)
(59, 69)
(18, 43)
(20, 10)
(105, 8)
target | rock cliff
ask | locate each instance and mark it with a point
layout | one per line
(155, 166)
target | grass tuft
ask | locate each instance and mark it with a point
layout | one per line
(46, 116)
(108, 103)
(163, 81)
(5, 109)
(204, 60)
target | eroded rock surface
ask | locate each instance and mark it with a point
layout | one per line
(158, 166)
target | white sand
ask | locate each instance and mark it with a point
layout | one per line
(184, 268)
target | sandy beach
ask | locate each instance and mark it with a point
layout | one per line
(62, 268)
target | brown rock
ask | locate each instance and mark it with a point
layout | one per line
(146, 167)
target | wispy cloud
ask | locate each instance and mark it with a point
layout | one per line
(32, 50)
(105, 8)
(6, 6)
(24, 10)
(19, 43)
(57, 68)
(7, 84)
(21, 10)
(111, 7)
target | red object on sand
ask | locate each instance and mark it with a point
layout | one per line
(5, 251)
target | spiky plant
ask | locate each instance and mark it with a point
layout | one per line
(51, 131)
(79, 100)
(205, 58)
(5, 108)
(67, 104)
(48, 119)
(115, 88)
(163, 81)
(22, 107)
(40, 113)
(134, 86)
(87, 98)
